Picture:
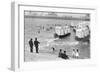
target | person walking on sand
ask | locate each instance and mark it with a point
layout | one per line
(31, 45)
(36, 43)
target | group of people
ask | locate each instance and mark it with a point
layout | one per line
(63, 55)
(35, 43)
(75, 53)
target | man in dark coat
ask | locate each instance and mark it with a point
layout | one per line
(36, 43)
(31, 45)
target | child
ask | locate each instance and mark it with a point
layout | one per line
(60, 53)
(77, 53)
(73, 53)
(53, 49)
